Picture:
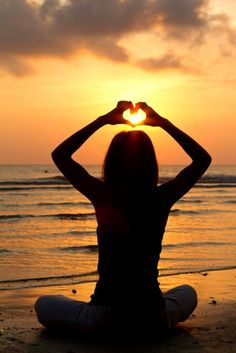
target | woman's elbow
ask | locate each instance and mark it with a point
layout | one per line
(206, 160)
(61, 158)
(57, 156)
(203, 162)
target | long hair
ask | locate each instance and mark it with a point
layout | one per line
(131, 161)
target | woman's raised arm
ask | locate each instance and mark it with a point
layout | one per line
(201, 159)
(73, 171)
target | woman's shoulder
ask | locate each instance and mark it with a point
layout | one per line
(164, 194)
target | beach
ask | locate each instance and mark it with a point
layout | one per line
(210, 329)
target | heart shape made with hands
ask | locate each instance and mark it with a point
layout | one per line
(135, 116)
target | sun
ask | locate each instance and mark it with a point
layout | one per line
(136, 117)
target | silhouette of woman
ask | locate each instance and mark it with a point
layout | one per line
(132, 212)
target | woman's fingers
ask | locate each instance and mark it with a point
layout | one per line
(124, 105)
(141, 105)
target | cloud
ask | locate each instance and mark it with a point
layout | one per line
(15, 66)
(182, 14)
(54, 28)
(166, 62)
(100, 18)
(106, 47)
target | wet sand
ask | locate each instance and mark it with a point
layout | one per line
(211, 328)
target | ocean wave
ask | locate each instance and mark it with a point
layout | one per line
(84, 203)
(31, 187)
(221, 179)
(62, 216)
(73, 216)
(10, 217)
(49, 205)
(5, 251)
(50, 235)
(49, 281)
(56, 180)
(82, 232)
(94, 248)
(78, 249)
(200, 270)
(19, 188)
(196, 244)
(215, 185)
(89, 277)
(177, 211)
(190, 201)
(92, 215)
(209, 178)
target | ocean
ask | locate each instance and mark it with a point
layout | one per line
(48, 229)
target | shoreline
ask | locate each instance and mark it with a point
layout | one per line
(87, 281)
(210, 329)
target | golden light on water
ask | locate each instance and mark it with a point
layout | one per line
(135, 118)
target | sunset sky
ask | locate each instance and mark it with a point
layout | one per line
(63, 63)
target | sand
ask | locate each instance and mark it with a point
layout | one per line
(211, 328)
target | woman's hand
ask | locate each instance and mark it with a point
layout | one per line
(116, 115)
(152, 117)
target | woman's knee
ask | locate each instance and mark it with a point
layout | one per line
(191, 294)
(180, 303)
(40, 302)
(41, 308)
(184, 288)
(58, 311)
(44, 308)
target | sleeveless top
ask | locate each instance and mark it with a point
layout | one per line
(129, 255)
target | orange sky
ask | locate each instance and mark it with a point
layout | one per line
(63, 63)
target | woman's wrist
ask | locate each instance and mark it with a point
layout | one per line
(163, 122)
(102, 120)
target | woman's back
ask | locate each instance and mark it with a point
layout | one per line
(129, 239)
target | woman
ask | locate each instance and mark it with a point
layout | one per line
(132, 212)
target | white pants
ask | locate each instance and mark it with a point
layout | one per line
(59, 312)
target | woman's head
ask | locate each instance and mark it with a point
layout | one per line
(131, 161)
